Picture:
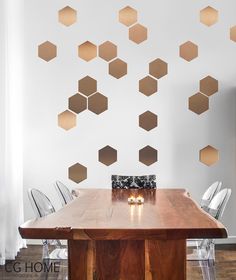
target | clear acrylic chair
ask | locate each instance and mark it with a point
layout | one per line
(203, 250)
(63, 192)
(210, 193)
(42, 206)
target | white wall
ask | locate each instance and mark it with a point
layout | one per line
(49, 150)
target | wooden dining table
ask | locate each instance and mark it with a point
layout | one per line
(109, 239)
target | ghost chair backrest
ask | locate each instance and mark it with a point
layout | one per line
(210, 193)
(63, 193)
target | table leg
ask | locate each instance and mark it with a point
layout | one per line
(120, 260)
(165, 259)
(80, 259)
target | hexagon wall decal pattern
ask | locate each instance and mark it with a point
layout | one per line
(87, 85)
(67, 120)
(77, 173)
(208, 85)
(198, 103)
(233, 33)
(87, 51)
(47, 51)
(158, 68)
(209, 155)
(77, 103)
(107, 155)
(117, 68)
(138, 33)
(148, 85)
(148, 155)
(128, 16)
(107, 51)
(208, 16)
(67, 16)
(188, 51)
(97, 103)
(148, 120)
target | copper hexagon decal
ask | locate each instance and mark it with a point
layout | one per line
(77, 103)
(87, 85)
(208, 85)
(117, 68)
(208, 16)
(198, 103)
(47, 51)
(128, 16)
(158, 68)
(67, 16)
(107, 51)
(138, 33)
(97, 103)
(148, 85)
(233, 33)
(107, 155)
(148, 155)
(148, 120)
(188, 51)
(67, 120)
(209, 155)
(77, 173)
(87, 51)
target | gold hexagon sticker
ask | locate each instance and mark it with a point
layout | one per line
(209, 155)
(128, 16)
(158, 68)
(67, 120)
(87, 85)
(107, 51)
(148, 120)
(208, 16)
(233, 33)
(87, 51)
(77, 103)
(67, 16)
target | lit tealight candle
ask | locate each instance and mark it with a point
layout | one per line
(140, 199)
(131, 199)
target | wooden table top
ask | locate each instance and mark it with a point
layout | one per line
(104, 214)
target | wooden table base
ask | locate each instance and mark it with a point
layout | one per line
(127, 260)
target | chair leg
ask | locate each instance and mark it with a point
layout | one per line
(45, 254)
(208, 270)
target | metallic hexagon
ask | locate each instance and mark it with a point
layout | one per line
(67, 16)
(128, 16)
(208, 85)
(138, 33)
(77, 173)
(148, 155)
(47, 51)
(77, 103)
(107, 51)
(158, 68)
(198, 103)
(117, 68)
(188, 51)
(97, 103)
(87, 85)
(209, 155)
(208, 16)
(233, 33)
(148, 120)
(148, 85)
(107, 155)
(67, 120)
(87, 51)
